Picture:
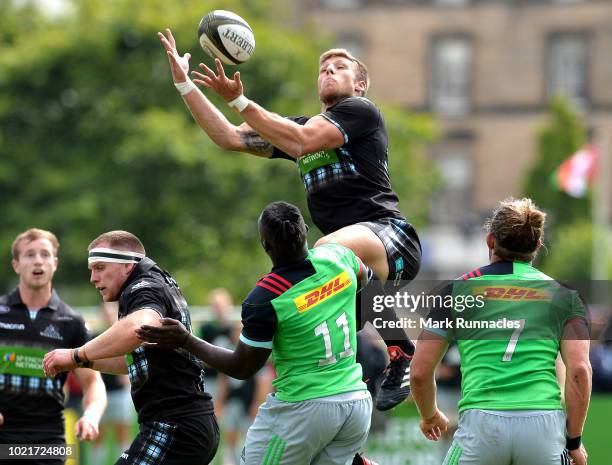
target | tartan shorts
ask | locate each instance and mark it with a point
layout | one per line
(402, 246)
(193, 440)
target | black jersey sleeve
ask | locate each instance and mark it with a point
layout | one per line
(144, 293)
(259, 321)
(354, 116)
(278, 153)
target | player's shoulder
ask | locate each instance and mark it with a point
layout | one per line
(356, 103)
(145, 282)
(492, 269)
(268, 288)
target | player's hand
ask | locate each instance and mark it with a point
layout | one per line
(433, 427)
(86, 430)
(579, 456)
(172, 334)
(58, 361)
(228, 89)
(179, 65)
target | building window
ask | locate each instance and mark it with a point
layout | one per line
(452, 205)
(352, 42)
(451, 73)
(568, 63)
(452, 2)
(342, 4)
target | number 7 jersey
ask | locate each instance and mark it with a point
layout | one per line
(509, 337)
(305, 313)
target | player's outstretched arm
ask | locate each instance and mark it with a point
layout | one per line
(119, 339)
(294, 139)
(209, 118)
(241, 363)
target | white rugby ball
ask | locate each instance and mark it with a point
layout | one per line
(225, 35)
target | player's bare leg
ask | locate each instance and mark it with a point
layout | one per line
(366, 245)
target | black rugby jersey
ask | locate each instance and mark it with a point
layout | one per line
(166, 384)
(351, 183)
(30, 402)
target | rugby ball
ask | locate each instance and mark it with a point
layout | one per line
(225, 35)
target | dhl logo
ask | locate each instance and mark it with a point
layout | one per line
(511, 293)
(314, 297)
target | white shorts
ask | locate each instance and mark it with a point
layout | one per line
(509, 437)
(322, 431)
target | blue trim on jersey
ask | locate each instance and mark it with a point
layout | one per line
(249, 342)
(344, 134)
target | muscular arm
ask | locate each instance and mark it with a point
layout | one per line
(223, 133)
(294, 139)
(241, 363)
(112, 366)
(209, 118)
(575, 353)
(428, 354)
(120, 338)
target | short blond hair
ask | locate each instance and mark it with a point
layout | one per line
(33, 234)
(361, 70)
(121, 240)
(518, 228)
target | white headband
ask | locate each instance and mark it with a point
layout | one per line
(101, 254)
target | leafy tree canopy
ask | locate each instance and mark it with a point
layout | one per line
(94, 137)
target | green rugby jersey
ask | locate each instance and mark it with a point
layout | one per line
(508, 339)
(305, 313)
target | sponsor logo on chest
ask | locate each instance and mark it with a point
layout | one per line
(13, 326)
(316, 296)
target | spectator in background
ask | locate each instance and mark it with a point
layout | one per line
(601, 361)
(120, 414)
(217, 331)
(237, 402)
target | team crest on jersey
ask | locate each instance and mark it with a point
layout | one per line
(511, 293)
(314, 297)
(140, 285)
(52, 333)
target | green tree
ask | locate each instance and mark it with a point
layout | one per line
(560, 136)
(94, 137)
(571, 254)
